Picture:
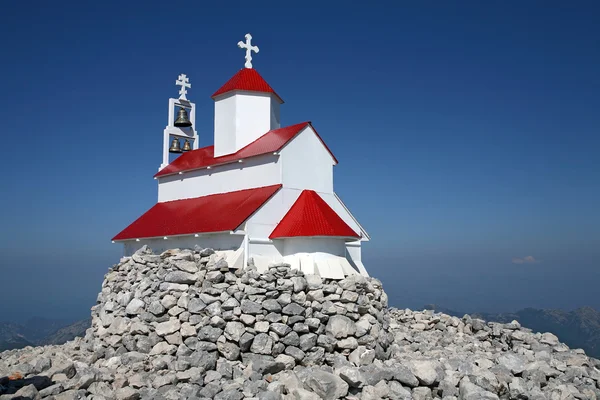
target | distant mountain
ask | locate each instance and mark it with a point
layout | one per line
(11, 337)
(67, 333)
(579, 328)
(39, 331)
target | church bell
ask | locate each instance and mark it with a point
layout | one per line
(187, 146)
(175, 148)
(182, 120)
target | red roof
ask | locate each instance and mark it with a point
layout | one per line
(270, 142)
(213, 213)
(311, 216)
(246, 79)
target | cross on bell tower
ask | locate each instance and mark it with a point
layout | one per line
(184, 82)
(249, 49)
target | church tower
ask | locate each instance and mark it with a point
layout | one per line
(245, 107)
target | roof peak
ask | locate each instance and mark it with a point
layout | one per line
(311, 216)
(247, 79)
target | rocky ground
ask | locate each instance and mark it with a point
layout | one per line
(181, 325)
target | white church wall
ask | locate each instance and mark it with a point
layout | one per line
(241, 118)
(219, 241)
(261, 224)
(354, 256)
(275, 115)
(225, 125)
(251, 173)
(333, 246)
(306, 163)
(354, 250)
(272, 250)
(252, 117)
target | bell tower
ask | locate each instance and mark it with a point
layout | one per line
(181, 127)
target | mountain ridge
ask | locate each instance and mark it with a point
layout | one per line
(40, 331)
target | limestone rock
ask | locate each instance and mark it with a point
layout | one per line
(180, 277)
(262, 344)
(168, 327)
(425, 371)
(340, 326)
(127, 393)
(326, 385)
(186, 266)
(135, 306)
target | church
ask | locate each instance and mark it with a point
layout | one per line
(262, 194)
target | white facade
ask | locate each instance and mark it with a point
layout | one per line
(303, 163)
(242, 117)
(306, 163)
(263, 251)
(253, 172)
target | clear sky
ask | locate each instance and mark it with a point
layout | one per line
(467, 135)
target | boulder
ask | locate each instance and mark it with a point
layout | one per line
(340, 326)
(326, 385)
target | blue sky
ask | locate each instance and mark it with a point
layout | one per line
(467, 135)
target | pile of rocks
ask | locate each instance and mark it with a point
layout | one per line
(183, 325)
(470, 359)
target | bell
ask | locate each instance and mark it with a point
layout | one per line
(175, 146)
(187, 146)
(182, 120)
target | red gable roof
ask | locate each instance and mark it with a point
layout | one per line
(311, 216)
(270, 142)
(246, 79)
(213, 213)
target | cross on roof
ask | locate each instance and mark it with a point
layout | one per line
(249, 49)
(184, 82)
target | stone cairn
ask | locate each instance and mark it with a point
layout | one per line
(182, 325)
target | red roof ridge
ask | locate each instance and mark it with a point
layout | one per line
(247, 79)
(299, 125)
(272, 141)
(311, 216)
(218, 212)
(322, 141)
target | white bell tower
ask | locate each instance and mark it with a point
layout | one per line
(176, 130)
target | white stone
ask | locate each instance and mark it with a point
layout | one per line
(261, 326)
(340, 326)
(425, 371)
(168, 327)
(163, 348)
(188, 330)
(234, 330)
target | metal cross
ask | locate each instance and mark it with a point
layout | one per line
(184, 82)
(249, 49)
